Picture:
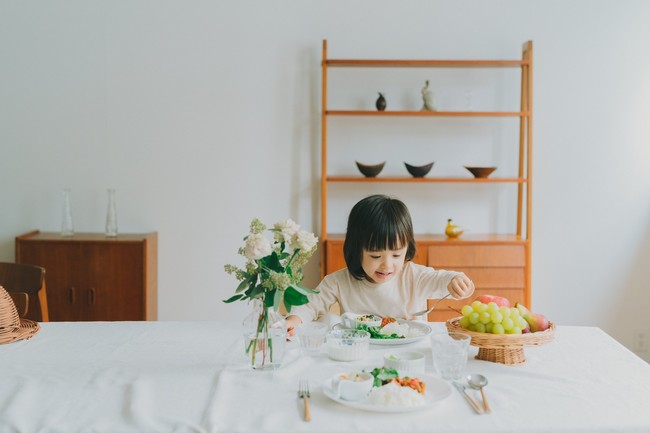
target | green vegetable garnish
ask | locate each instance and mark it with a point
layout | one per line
(375, 332)
(383, 375)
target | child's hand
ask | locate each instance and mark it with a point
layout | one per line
(292, 322)
(461, 287)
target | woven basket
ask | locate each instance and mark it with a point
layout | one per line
(12, 327)
(505, 349)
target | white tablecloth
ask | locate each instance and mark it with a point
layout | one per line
(190, 377)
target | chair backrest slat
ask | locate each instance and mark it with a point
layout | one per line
(30, 279)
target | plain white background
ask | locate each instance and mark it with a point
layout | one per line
(206, 114)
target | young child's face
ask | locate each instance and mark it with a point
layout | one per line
(382, 266)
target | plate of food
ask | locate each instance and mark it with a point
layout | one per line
(392, 331)
(391, 393)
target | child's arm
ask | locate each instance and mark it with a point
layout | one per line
(461, 287)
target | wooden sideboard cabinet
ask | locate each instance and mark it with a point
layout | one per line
(91, 277)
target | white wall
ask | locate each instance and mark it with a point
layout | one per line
(205, 114)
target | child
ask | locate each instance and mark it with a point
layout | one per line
(380, 278)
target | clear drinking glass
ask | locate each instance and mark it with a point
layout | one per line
(311, 337)
(450, 351)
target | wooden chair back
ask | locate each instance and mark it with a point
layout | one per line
(21, 301)
(29, 279)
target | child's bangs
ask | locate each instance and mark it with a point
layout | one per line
(386, 236)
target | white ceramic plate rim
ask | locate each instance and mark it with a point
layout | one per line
(437, 390)
(426, 330)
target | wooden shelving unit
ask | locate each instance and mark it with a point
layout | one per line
(500, 262)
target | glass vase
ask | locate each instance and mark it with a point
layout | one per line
(265, 337)
(67, 228)
(111, 215)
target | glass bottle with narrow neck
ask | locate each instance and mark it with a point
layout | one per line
(67, 228)
(111, 215)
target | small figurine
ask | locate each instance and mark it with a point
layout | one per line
(427, 97)
(381, 102)
(452, 230)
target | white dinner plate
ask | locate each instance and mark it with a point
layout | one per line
(424, 328)
(437, 390)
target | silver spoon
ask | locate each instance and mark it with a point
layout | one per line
(427, 311)
(478, 381)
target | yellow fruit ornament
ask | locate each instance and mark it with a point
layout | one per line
(452, 230)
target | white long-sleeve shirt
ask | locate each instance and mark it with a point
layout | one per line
(404, 294)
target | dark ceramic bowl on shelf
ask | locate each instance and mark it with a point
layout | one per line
(480, 172)
(370, 170)
(419, 170)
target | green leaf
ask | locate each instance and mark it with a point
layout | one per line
(233, 298)
(269, 299)
(304, 290)
(293, 297)
(256, 291)
(277, 298)
(272, 262)
(242, 286)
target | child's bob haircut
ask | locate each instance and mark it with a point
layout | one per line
(377, 223)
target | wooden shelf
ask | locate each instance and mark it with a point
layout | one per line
(425, 179)
(427, 113)
(359, 63)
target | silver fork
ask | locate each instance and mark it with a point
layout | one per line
(427, 311)
(303, 392)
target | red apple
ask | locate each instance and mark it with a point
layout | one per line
(499, 300)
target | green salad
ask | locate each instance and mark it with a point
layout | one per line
(375, 332)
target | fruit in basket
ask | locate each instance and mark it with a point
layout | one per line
(522, 310)
(495, 319)
(499, 300)
(536, 322)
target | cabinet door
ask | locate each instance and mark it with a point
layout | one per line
(114, 288)
(64, 275)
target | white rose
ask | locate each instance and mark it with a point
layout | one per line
(257, 246)
(304, 241)
(287, 230)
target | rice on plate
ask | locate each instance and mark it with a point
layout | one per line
(393, 394)
(402, 330)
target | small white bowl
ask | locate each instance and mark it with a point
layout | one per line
(406, 363)
(353, 320)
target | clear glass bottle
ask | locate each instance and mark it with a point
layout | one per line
(67, 228)
(111, 215)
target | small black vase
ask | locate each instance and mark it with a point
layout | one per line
(381, 103)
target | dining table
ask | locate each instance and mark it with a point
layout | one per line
(192, 376)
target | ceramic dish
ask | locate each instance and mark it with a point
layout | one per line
(437, 391)
(407, 363)
(424, 328)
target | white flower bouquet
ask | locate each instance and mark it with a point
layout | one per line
(272, 275)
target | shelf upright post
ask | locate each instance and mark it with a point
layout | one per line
(525, 162)
(323, 177)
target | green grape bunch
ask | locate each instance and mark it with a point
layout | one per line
(493, 319)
